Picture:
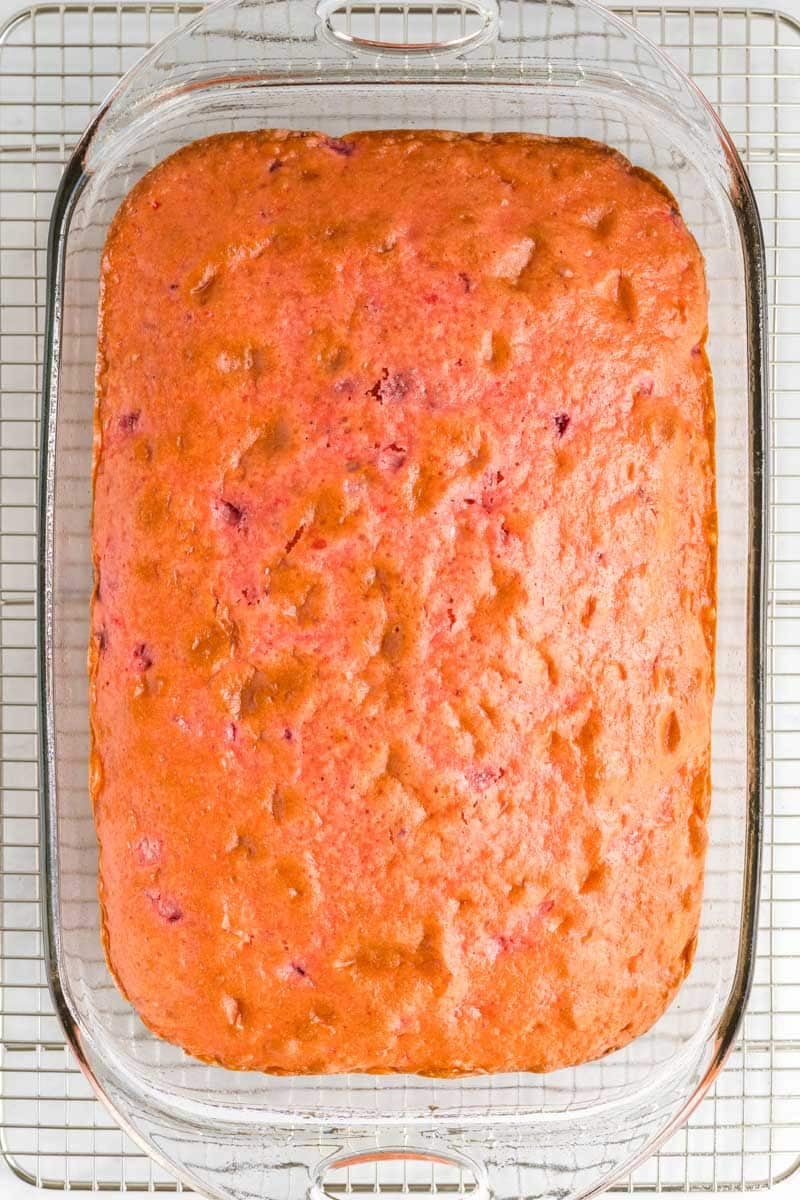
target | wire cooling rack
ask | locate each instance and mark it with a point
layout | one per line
(57, 62)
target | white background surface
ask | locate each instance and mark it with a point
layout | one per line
(13, 1189)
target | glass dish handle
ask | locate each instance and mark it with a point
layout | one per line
(415, 27)
(403, 1168)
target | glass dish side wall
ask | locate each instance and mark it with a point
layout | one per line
(580, 1120)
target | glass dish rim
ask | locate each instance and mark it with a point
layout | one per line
(742, 202)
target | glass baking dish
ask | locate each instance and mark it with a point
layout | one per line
(569, 69)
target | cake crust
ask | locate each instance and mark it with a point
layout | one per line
(402, 637)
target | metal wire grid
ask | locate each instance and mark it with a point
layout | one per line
(56, 64)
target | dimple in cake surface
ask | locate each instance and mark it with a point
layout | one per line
(403, 631)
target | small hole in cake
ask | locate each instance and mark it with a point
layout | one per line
(210, 645)
(312, 608)
(148, 850)
(294, 539)
(142, 657)
(595, 880)
(671, 735)
(399, 766)
(515, 262)
(274, 438)
(698, 836)
(386, 244)
(708, 623)
(333, 357)
(287, 803)
(500, 352)
(665, 426)
(167, 907)
(335, 509)
(142, 450)
(376, 957)
(129, 420)
(233, 1011)
(232, 514)
(152, 509)
(559, 751)
(606, 224)
(550, 664)
(283, 685)
(293, 877)
(201, 290)
(340, 146)
(601, 219)
(586, 742)
(392, 457)
(589, 609)
(561, 421)
(393, 642)
(323, 1014)
(701, 793)
(626, 298)
(510, 594)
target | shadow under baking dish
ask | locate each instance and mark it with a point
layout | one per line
(561, 69)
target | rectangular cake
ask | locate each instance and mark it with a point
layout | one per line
(402, 650)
